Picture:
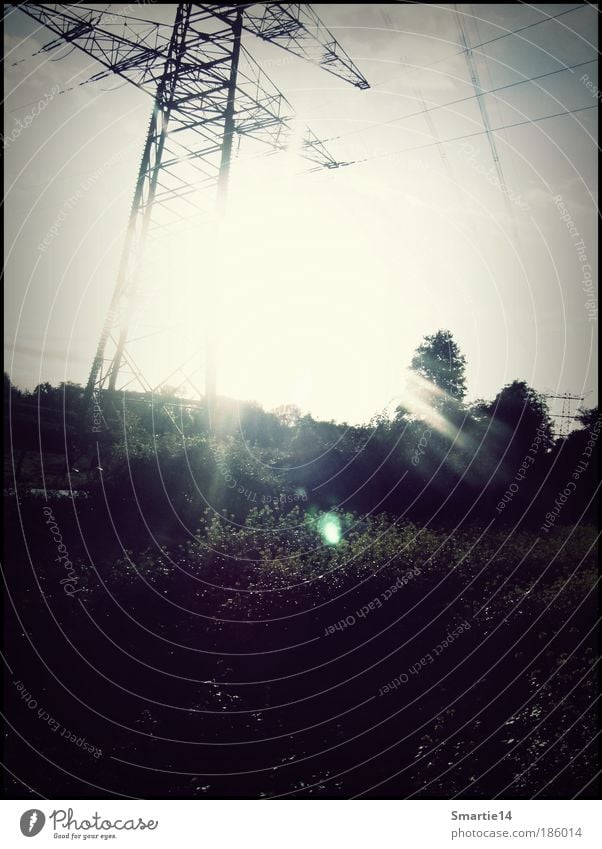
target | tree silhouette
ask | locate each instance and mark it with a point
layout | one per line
(518, 413)
(587, 417)
(438, 359)
(436, 380)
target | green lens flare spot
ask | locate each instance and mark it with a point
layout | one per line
(329, 528)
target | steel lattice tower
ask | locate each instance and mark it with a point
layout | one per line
(202, 101)
(566, 416)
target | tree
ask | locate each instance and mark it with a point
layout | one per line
(44, 391)
(574, 461)
(288, 414)
(11, 392)
(587, 417)
(520, 413)
(438, 359)
(436, 383)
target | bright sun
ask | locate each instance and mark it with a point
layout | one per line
(264, 281)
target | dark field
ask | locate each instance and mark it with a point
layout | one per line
(253, 662)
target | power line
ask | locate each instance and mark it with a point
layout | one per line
(507, 34)
(478, 133)
(462, 99)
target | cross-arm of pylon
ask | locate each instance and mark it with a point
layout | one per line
(315, 151)
(137, 51)
(297, 28)
(126, 46)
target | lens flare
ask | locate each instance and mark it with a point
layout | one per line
(329, 527)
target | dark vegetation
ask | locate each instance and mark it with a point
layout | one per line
(244, 584)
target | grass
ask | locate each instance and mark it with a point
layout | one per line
(248, 645)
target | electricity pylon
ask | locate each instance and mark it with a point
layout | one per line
(203, 99)
(566, 416)
(479, 93)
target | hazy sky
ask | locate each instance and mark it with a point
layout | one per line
(326, 282)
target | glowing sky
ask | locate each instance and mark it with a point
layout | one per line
(328, 281)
